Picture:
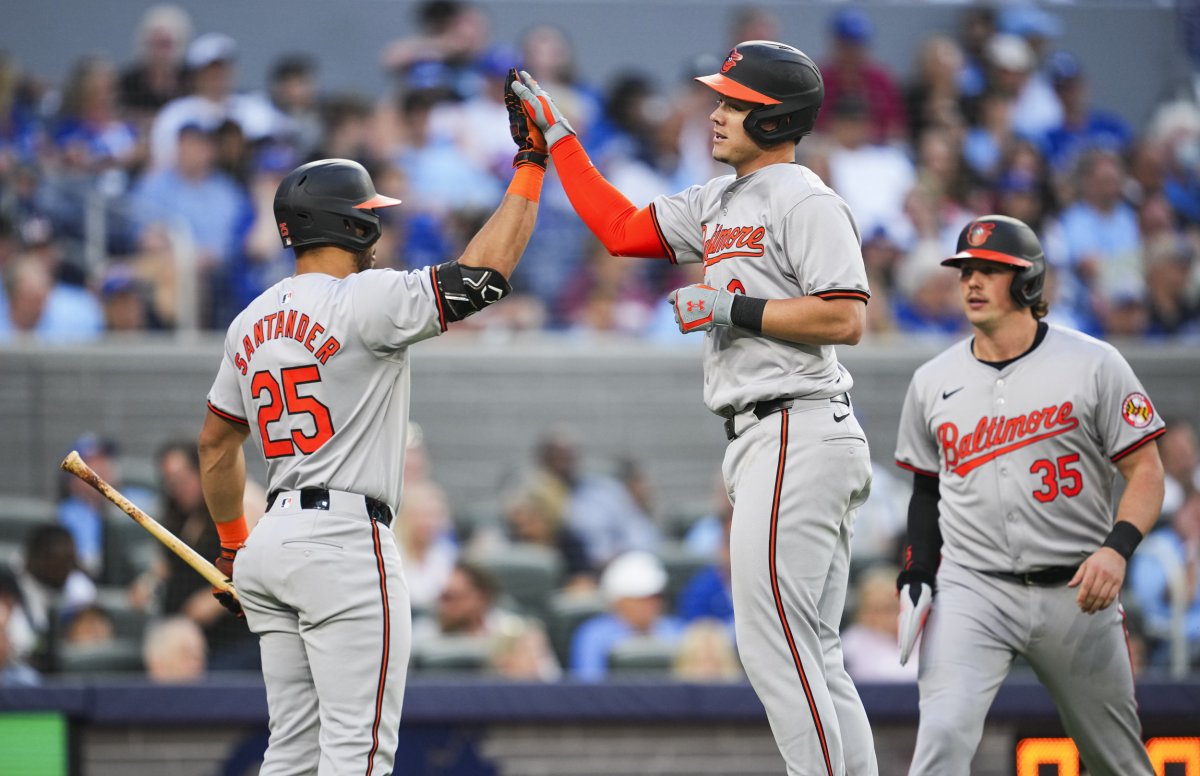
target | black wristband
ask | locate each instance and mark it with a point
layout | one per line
(747, 312)
(1124, 538)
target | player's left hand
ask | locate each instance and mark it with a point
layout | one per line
(1099, 580)
(224, 564)
(699, 307)
(541, 108)
(531, 144)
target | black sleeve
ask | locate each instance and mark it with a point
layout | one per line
(924, 550)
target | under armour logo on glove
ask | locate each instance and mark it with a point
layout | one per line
(700, 307)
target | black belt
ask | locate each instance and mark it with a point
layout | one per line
(318, 498)
(1054, 575)
(761, 409)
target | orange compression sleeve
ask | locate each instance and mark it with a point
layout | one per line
(624, 229)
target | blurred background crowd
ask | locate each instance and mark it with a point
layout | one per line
(574, 570)
(136, 194)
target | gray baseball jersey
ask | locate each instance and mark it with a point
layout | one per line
(317, 367)
(796, 477)
(1025, 454)
(1024, 457)
(776, 233)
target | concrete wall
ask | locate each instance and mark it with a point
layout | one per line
(1131, 50)
(481, 404)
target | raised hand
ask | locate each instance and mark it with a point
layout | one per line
(539, 107)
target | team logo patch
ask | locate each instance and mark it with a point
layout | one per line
(1137, 410)
(980, 233)
(731, 61)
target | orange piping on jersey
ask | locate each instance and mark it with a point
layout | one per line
(661, 237)
(843, 293)
(783, 620)
(618, 223)
(438, 297)
(1137, 444)
(387, 647)
(227, 416)
(915, 470)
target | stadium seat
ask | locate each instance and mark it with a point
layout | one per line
(129, 550)
(639, 657)
(120, 656)
(681, 564)
(451, 654)
(20, 514)
(128, 622)
(527, 573)
(566, 612)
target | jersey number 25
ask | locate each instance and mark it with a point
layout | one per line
(290, 399)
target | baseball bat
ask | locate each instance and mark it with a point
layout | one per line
(75, 465)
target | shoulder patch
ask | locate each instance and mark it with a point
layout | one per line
(1137, 410)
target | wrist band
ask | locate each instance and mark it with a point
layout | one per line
(747, 312)
(1124, 538)
(527, 182)
(233, 533)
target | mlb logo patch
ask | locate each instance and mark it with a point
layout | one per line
(286, 502)
(285, 297)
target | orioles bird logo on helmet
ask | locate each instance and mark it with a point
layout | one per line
(980, 233)
(731, 61)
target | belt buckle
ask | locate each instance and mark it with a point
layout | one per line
(1027, 579)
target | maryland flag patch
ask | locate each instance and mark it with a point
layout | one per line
(1137, 410)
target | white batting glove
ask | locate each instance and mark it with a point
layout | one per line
(915, 601)
(699, 307)
(542, 109)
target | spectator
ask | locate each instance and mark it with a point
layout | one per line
(850, 70)
(193, 196)
(1173, 290)
(293, 86)
(426, 538)
(870, 644)
(977, 26)
(90, 626)
(1102, 237)
(82, 508)
(708, 594)
(211, 62)
(933, 98)
(36, 306)
(467, 603)
(156, 77)
(92, 140)
(174, 651)
(1082, 126)
(1037, 109)
(632, 585)
(1168, 565)
(706, 654)
(535, 515)
(13, 671)
(51, 587)
(124, 298)
(1175, 131)
(992, 128)
(231, 646)
(547, 51)
(613, 514)
(1181, 464)
(521, 651)
(874, 179)
(607, 295)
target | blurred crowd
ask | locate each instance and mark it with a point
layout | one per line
(571, 570)
(136, 194)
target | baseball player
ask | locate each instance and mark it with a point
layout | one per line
(316, 370)
(1013, 437)
(784, 282)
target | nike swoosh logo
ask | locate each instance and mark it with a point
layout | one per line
(839, 418)
(948, 394)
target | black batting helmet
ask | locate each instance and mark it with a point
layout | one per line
(1008, 241)
(781, 79)
(329, 202)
